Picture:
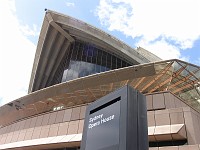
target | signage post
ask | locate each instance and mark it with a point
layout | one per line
(117, 121)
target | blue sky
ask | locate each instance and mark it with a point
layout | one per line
(167, 28)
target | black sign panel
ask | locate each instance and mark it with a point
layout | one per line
(117, 121)
(103, 128)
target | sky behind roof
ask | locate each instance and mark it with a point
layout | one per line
(167, 28)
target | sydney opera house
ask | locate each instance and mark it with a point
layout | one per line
(76, 64)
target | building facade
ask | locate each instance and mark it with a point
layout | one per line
(76, 64)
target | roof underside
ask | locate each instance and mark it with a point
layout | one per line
(58, 32)
(178, 77)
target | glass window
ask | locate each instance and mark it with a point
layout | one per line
(85, 59)
(114, 62)
(82, 69)
(119, 63)
(104, 59)
(123, 64)
(89, 59)
(98, 68)
(99, 57)
(108, 65)
(90, 50)
(80, 53)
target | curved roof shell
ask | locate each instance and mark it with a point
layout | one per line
(59, 31)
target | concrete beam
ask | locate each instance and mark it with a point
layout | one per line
(62, 53)
(58, 28)
(42, 37)
(52, 61)
(44, 57)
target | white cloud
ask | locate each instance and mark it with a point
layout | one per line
(161, 48)
(69, 4)
(16, 54)
(173, 24)
(28, 31)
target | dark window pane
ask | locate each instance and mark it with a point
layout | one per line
(82, 69)
(119, 63)
(89, 59)
(128, 64)
(123, 64)
(80, 52)
(74, 53)
(99, 57)
(94, 52)
(90, 50)
(94, 60)
(85, 49)
(103, 68)
(104, 59)
(113, 62)
(93, 69)
(108, 61)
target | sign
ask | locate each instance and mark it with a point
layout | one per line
(103, 127)
(117, 121)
